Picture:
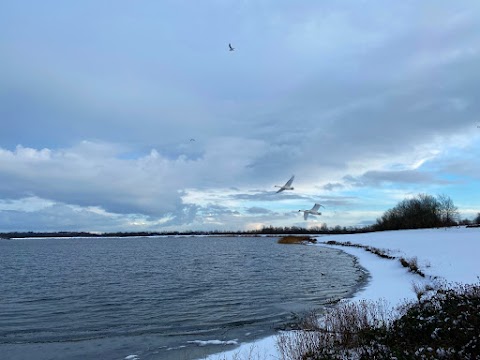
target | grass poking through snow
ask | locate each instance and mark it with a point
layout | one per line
(297, 240)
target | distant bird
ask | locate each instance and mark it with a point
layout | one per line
(192, 139)
(312, 211)
(287, 186)
(230, 47)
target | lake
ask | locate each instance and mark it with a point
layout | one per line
(158, 298)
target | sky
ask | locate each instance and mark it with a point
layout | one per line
(134, 116)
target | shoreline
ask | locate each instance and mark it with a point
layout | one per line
(446, 255)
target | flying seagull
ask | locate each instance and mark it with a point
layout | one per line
(230, 47)
(287, 186)
(313, 211)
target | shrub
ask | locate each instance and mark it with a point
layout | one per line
(445, 325)
(421, 211)
(335, 333)
(412, 265)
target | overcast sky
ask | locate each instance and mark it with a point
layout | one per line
(133, 115)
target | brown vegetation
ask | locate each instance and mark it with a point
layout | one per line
(410, 264)
(443, 323)
(296, 240)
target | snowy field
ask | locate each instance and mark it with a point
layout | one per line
(449, 255)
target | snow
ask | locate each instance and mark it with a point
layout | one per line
(446, 254)
(213, 342)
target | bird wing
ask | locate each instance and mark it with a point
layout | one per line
(280, 190)
(289, 182)
(316, 207)
(230, 46)
(305, 215)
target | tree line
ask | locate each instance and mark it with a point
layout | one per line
(421, 211)
(267, 230)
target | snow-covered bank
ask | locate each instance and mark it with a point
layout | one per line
(446, 254)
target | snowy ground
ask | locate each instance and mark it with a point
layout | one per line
(445, 254)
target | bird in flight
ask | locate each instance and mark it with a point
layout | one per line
(287, 186)
(230, 47)
(312, 211)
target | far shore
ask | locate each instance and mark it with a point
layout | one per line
(295, 231)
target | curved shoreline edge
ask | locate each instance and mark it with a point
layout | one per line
(445, 254)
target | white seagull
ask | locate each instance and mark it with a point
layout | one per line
(313, 211)
(230, 47)
(287, 186)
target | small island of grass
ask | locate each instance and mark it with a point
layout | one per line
(297, 240)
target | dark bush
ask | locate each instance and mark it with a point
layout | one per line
(443, 325)
(422, 211)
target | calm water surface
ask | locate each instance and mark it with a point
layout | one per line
(158, 298)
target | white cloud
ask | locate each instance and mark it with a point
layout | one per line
(322, 90)
(28, 204)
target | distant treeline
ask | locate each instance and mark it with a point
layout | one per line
(50, 234)
(269, 230)
(421, 211)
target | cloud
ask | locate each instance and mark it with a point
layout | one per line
(60, 217)
(270, 196)
(86, 176)
(375, 178)
(333, 186)
(257, 210)
(338, 200)
(95, 174)
(346, 96)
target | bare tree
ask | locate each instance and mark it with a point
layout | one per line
(448, 210)
(477, 219)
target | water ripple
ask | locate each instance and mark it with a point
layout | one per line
(161, 292)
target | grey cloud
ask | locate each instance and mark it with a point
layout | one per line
(373, 178)
(312, 89)
(270, 196)
(185, 216)
(152, 184)
(466, 167)
(333, 186)
(337, 201)
(216, 210)
(59, 217)
(257, 210)
(341, 118)
(63, 217)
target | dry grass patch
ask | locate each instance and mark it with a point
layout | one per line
(412, 265)
(340, 333)
(297, 240)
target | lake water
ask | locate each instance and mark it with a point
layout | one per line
(158, 298)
